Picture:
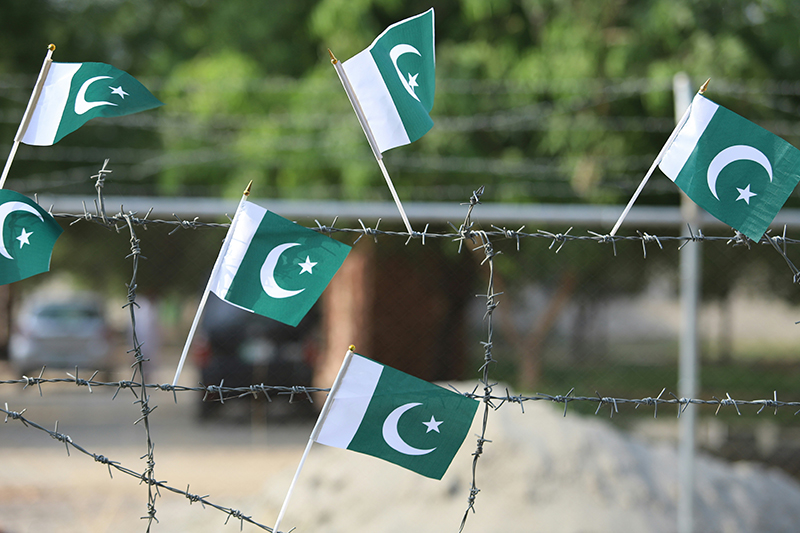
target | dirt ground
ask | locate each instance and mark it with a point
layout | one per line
(44, 490)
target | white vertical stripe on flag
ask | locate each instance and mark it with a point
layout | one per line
(350, 402)
(375, 100)
(49, 108)
(701, 113)
(244, 226)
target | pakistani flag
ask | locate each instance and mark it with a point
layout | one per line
(74, 93)
(27, 236)
(737, 171)
(380, 411)
(394, 81)
(274, 267)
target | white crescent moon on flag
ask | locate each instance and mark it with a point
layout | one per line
(81, 105)
(5, 210)
(268, 282)
(395, 54)
(392, 437)
(727, 156)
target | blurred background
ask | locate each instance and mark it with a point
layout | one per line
(544, 102)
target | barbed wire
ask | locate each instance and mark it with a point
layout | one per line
(226, 393)
(115, 221)
(614, 402)
(138, 365)
(488, 359)
(468, 233)
(146, 477)
(560, 239)
(222, 393)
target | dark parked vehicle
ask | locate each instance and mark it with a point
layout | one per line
(243, 349)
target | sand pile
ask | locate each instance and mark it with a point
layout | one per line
(541, 472)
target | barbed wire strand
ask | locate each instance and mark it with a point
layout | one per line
(231, 392)
(293, 392)
(144, 400)
(144, 477)
(557, 240)
(488, 359)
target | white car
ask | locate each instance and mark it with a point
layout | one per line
(61, 333)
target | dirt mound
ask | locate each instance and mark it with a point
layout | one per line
(541, 472)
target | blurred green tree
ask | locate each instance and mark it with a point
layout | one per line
(541, 100)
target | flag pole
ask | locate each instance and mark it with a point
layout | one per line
(658, 159)
(26, 118)
(362, 119)
(211, 279)
(315, 432)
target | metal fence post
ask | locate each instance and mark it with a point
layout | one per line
(690, 267)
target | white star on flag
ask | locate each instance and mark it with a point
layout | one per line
(307, 266)
(412, 80)
(433, 425)
(119, 91)
(35, 259)
(23, 237)
(745, 194)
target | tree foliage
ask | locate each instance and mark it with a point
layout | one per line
(542, 100)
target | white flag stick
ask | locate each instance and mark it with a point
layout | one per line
(658, 159)
(362, 119)
(193, 329)
(211, 280)
(395, 196)
(315, 432)
(26, 118)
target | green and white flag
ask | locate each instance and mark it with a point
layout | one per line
(380, 411)
(394, 81)
(274, 267)
(737, 171)
(27, 236)
(74, 93)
